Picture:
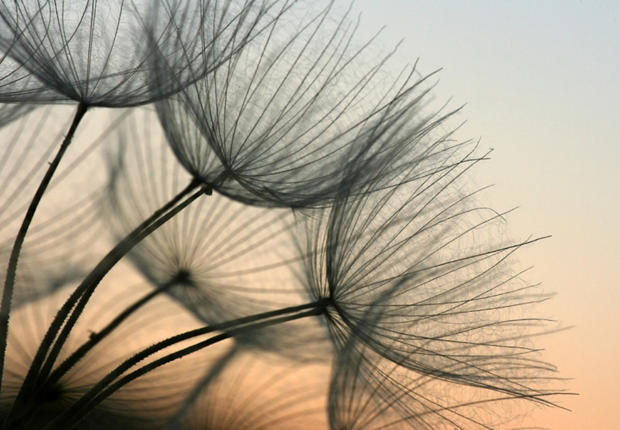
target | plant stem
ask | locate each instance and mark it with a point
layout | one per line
(34, 400)
(67, 316)
(9, 284)
(245, 321)
(99, 393)
(95, 338)
(97, 275)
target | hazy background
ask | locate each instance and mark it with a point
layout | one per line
(541, 84)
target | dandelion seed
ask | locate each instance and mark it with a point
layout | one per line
(416, 274)
(115, 53)
(282, 122)
(221, 259)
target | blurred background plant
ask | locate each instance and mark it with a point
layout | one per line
(304, 246)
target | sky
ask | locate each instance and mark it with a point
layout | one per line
(538, 82)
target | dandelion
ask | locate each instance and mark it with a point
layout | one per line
(281, 122)
(221, 259)
(416, 275)
(412, 273)
(106, 54)
(79, 50)
(286, 204)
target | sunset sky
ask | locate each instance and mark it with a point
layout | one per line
(536, 84)
(540, 85)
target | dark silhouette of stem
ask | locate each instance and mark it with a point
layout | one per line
(95, 338)
(67, 316)
(9, 284)
(99, 393)
(77, 355)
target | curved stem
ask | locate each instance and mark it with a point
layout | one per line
(95, 338)
(34, 399)
(98, 393)
(67, 316)
(9, 284)
(97, 275)
(245, 321)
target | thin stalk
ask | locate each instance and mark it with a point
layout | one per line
(65, 319)
(77, 355)
(95, 338)
(9, 283)
(91, 285)
(91, 399)
(92, 281)
(147, 352)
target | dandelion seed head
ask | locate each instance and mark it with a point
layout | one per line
(283, 122)
(115, 53)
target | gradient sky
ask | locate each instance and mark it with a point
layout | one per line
(541, 84)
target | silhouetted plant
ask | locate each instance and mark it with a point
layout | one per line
(282, 121)
(118, 53)
(221, 259)
(297, 199)
(144, 404)
(108, 56)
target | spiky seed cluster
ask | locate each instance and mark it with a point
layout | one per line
(416, 279)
